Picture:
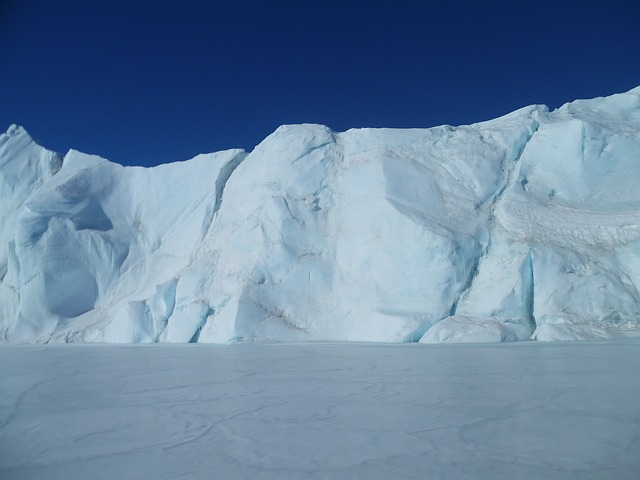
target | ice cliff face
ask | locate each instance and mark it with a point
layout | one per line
(527, 226)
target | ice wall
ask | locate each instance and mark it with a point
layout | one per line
(526, 226)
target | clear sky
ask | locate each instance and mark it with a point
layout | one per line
(148, 82)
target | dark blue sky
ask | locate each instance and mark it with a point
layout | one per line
(148, 82)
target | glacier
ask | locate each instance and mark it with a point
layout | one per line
(522, 227)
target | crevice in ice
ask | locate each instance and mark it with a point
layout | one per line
(511, 168)
(196, 335)
(512, 171)
(4, 267)
(473, 273)
(203, 320)
(313, 149)
(426, 322)
(295, 217)
(166, 292)
(221, 182)
(529, 292)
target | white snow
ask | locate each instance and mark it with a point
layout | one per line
(526, 226)
(312, 411)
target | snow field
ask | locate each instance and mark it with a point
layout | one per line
(321, 411)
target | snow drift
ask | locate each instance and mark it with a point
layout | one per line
(526, 226)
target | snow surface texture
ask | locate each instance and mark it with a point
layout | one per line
(527, 226)
(527, 411)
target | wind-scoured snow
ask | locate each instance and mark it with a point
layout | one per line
(526, 226)
(524, 411)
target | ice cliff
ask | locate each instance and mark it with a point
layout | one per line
(526, 226)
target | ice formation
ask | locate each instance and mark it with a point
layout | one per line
(526, 226)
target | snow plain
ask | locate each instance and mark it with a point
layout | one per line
(321, 411)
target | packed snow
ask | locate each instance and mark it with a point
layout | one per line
(527, 410)
(523, 227)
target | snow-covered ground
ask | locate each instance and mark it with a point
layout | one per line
(321, 411)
